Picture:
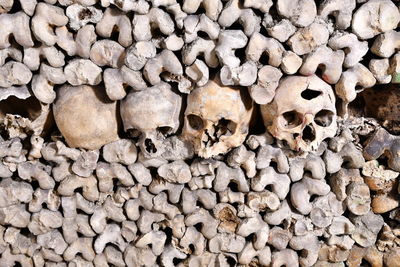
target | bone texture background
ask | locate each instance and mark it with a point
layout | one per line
(199, 133)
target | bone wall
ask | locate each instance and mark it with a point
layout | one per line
(199, 133)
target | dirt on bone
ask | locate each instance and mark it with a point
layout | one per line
(85, 13)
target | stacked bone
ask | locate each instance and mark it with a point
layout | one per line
(153, 162)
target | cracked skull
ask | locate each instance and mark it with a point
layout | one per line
(302, 113)
(151, 115)
(217, 118)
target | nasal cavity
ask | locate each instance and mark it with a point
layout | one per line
(308, 134)
(310, 94)
(150, 147)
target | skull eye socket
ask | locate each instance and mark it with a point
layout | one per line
(291, 119)
(226, 127)
(164, 130)
(133, 133)
(324, 118)
(195, 122)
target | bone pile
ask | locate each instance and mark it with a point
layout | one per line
(197, 133)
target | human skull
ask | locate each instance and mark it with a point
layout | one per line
(302, 113)
(217, 118)
(151, 115)
(85, 116)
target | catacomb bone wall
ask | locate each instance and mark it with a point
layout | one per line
(199, 133)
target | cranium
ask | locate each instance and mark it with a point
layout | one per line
(151, 115)
(217, 118)
(302, 113)
(85, 116)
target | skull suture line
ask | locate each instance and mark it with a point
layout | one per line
(302, 113)
(217, 118)
(151, 114)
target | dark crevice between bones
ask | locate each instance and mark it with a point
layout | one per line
(382, 102)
